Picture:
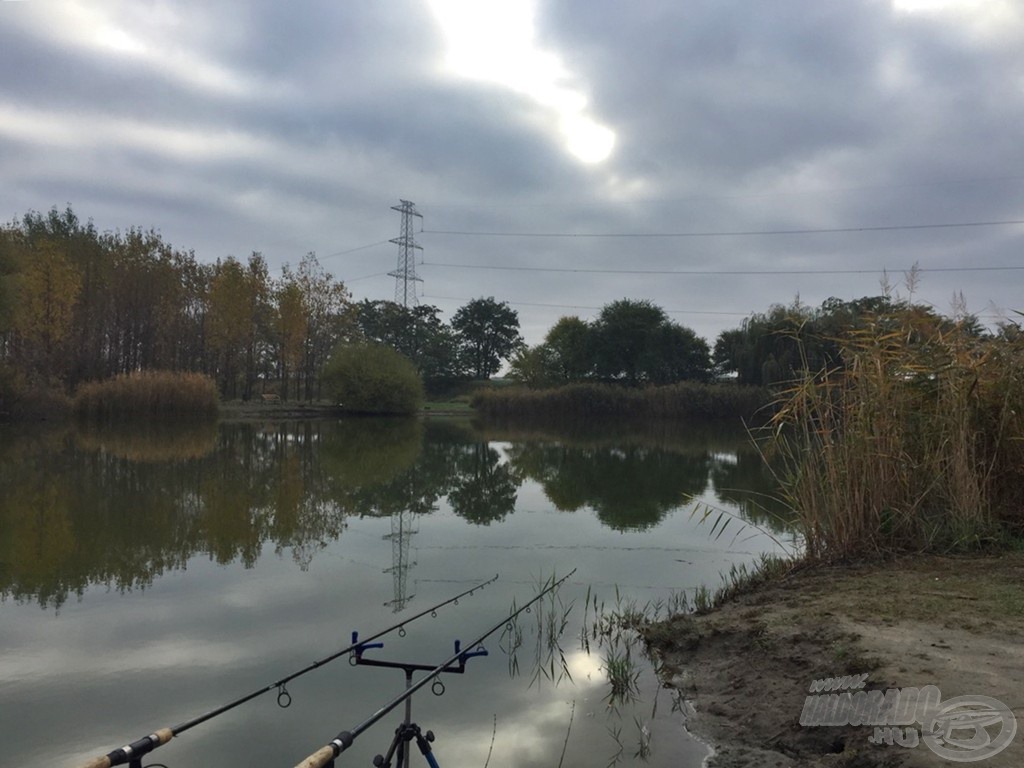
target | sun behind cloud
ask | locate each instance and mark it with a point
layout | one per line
(496, 42)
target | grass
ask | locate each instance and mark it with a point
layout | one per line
(148, 396)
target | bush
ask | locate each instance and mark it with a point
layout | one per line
(148, 396)
(369, 378)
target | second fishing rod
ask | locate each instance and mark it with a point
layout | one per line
(325, 756)
(132, 753)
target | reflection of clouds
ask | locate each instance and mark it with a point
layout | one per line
(585, 668)
(533, 735)
(181, 633)
(64, 664)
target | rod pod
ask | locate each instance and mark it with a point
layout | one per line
(133, 752)
(325, 755)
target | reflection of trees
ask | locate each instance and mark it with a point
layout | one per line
(632, 487)
(77, 512)
(484, 489)
(743, 480)
(82, 508)
(382, 467)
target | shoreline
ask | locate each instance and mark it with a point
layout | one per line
(254, 410)
(747, 666)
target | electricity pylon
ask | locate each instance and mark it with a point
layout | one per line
(402, 522)
(405, 274)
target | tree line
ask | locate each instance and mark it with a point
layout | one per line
(634, 343)
(77, 305)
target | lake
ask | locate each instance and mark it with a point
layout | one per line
(150, 576)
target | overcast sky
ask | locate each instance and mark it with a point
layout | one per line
(284, 128)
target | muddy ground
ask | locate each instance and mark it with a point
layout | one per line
(953, 622)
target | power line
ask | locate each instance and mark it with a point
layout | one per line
(595, 270)
(990, 316)
(365, 277)
(584, 306)
(736, 233)
(353, 250)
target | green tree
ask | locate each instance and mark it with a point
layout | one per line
(418, 333)
(533, 366)
(622, 339)
(372, 378)
(676, 353)
(778, 345)
(634, 342)
(488, 333)
(569, 343)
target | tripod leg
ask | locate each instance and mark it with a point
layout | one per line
(384, 761)
(424, 745)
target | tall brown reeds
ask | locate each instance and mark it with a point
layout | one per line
(915, 444)
(685, 400)
(148, 396)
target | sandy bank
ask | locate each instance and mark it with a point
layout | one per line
(956, 623)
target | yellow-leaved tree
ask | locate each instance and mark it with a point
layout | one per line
(47, 288)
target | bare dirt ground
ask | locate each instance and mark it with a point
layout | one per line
(953, 622)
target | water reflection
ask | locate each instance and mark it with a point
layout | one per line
(120, 508)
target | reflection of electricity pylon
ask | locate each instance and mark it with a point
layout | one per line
(405, 274)
(401, 534)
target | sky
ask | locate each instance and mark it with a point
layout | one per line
(714, 157)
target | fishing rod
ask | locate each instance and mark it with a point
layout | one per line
(326, 755)
(133, 752)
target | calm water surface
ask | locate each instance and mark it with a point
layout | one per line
(150, 577)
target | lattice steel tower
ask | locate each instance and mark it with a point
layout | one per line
(405, 274)
(402, 529)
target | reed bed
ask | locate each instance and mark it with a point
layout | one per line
(915, 444)
(148, 396)
(683, 401)
(151, 443)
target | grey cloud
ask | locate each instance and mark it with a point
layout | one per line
(729, 115)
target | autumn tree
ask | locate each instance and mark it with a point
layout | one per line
(81, 245)
(47, 286)
(329, 319)
(292, 326)
(237, 304)
(10, 244)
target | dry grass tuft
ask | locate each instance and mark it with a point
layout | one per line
(148, 396)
